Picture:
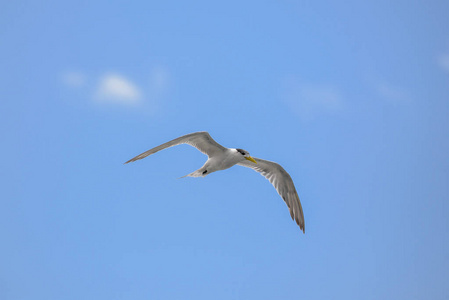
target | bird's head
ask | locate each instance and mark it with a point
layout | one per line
(246, 155)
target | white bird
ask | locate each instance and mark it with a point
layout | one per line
(221, 158)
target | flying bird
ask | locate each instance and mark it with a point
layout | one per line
(222, 158)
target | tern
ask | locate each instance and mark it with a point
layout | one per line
(222, 158)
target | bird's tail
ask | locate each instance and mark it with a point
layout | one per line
(197, 173)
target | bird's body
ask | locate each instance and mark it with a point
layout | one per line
(221, 158)
(221, 161)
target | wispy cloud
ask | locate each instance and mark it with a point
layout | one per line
(159, 79)
(443, 62)
(394, 94)
(114, 87)
(312, 100)
(159, 83)
(74, 79)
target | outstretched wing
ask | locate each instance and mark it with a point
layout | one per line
(200, 140)
(283, 184)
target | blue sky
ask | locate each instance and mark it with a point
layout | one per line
(351, 98)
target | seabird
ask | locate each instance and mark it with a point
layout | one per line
(222, 158)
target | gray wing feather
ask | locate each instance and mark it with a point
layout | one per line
(200, 140)
(283, 184)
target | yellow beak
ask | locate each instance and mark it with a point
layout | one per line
(251, 159)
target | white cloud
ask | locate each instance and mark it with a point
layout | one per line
(443, 62)
(392, 93)
(74, 79)
(116, 88)
(312, 100)
(113, 87)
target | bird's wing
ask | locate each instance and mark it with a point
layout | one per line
(200, 140)
(283, 184)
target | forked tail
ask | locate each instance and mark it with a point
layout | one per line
(198, 173)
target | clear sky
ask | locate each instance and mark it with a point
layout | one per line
(352, 98)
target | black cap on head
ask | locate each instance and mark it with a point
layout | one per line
(243, 152)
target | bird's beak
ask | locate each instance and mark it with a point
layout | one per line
(251, 159)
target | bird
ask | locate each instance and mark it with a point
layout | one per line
(222, 158)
